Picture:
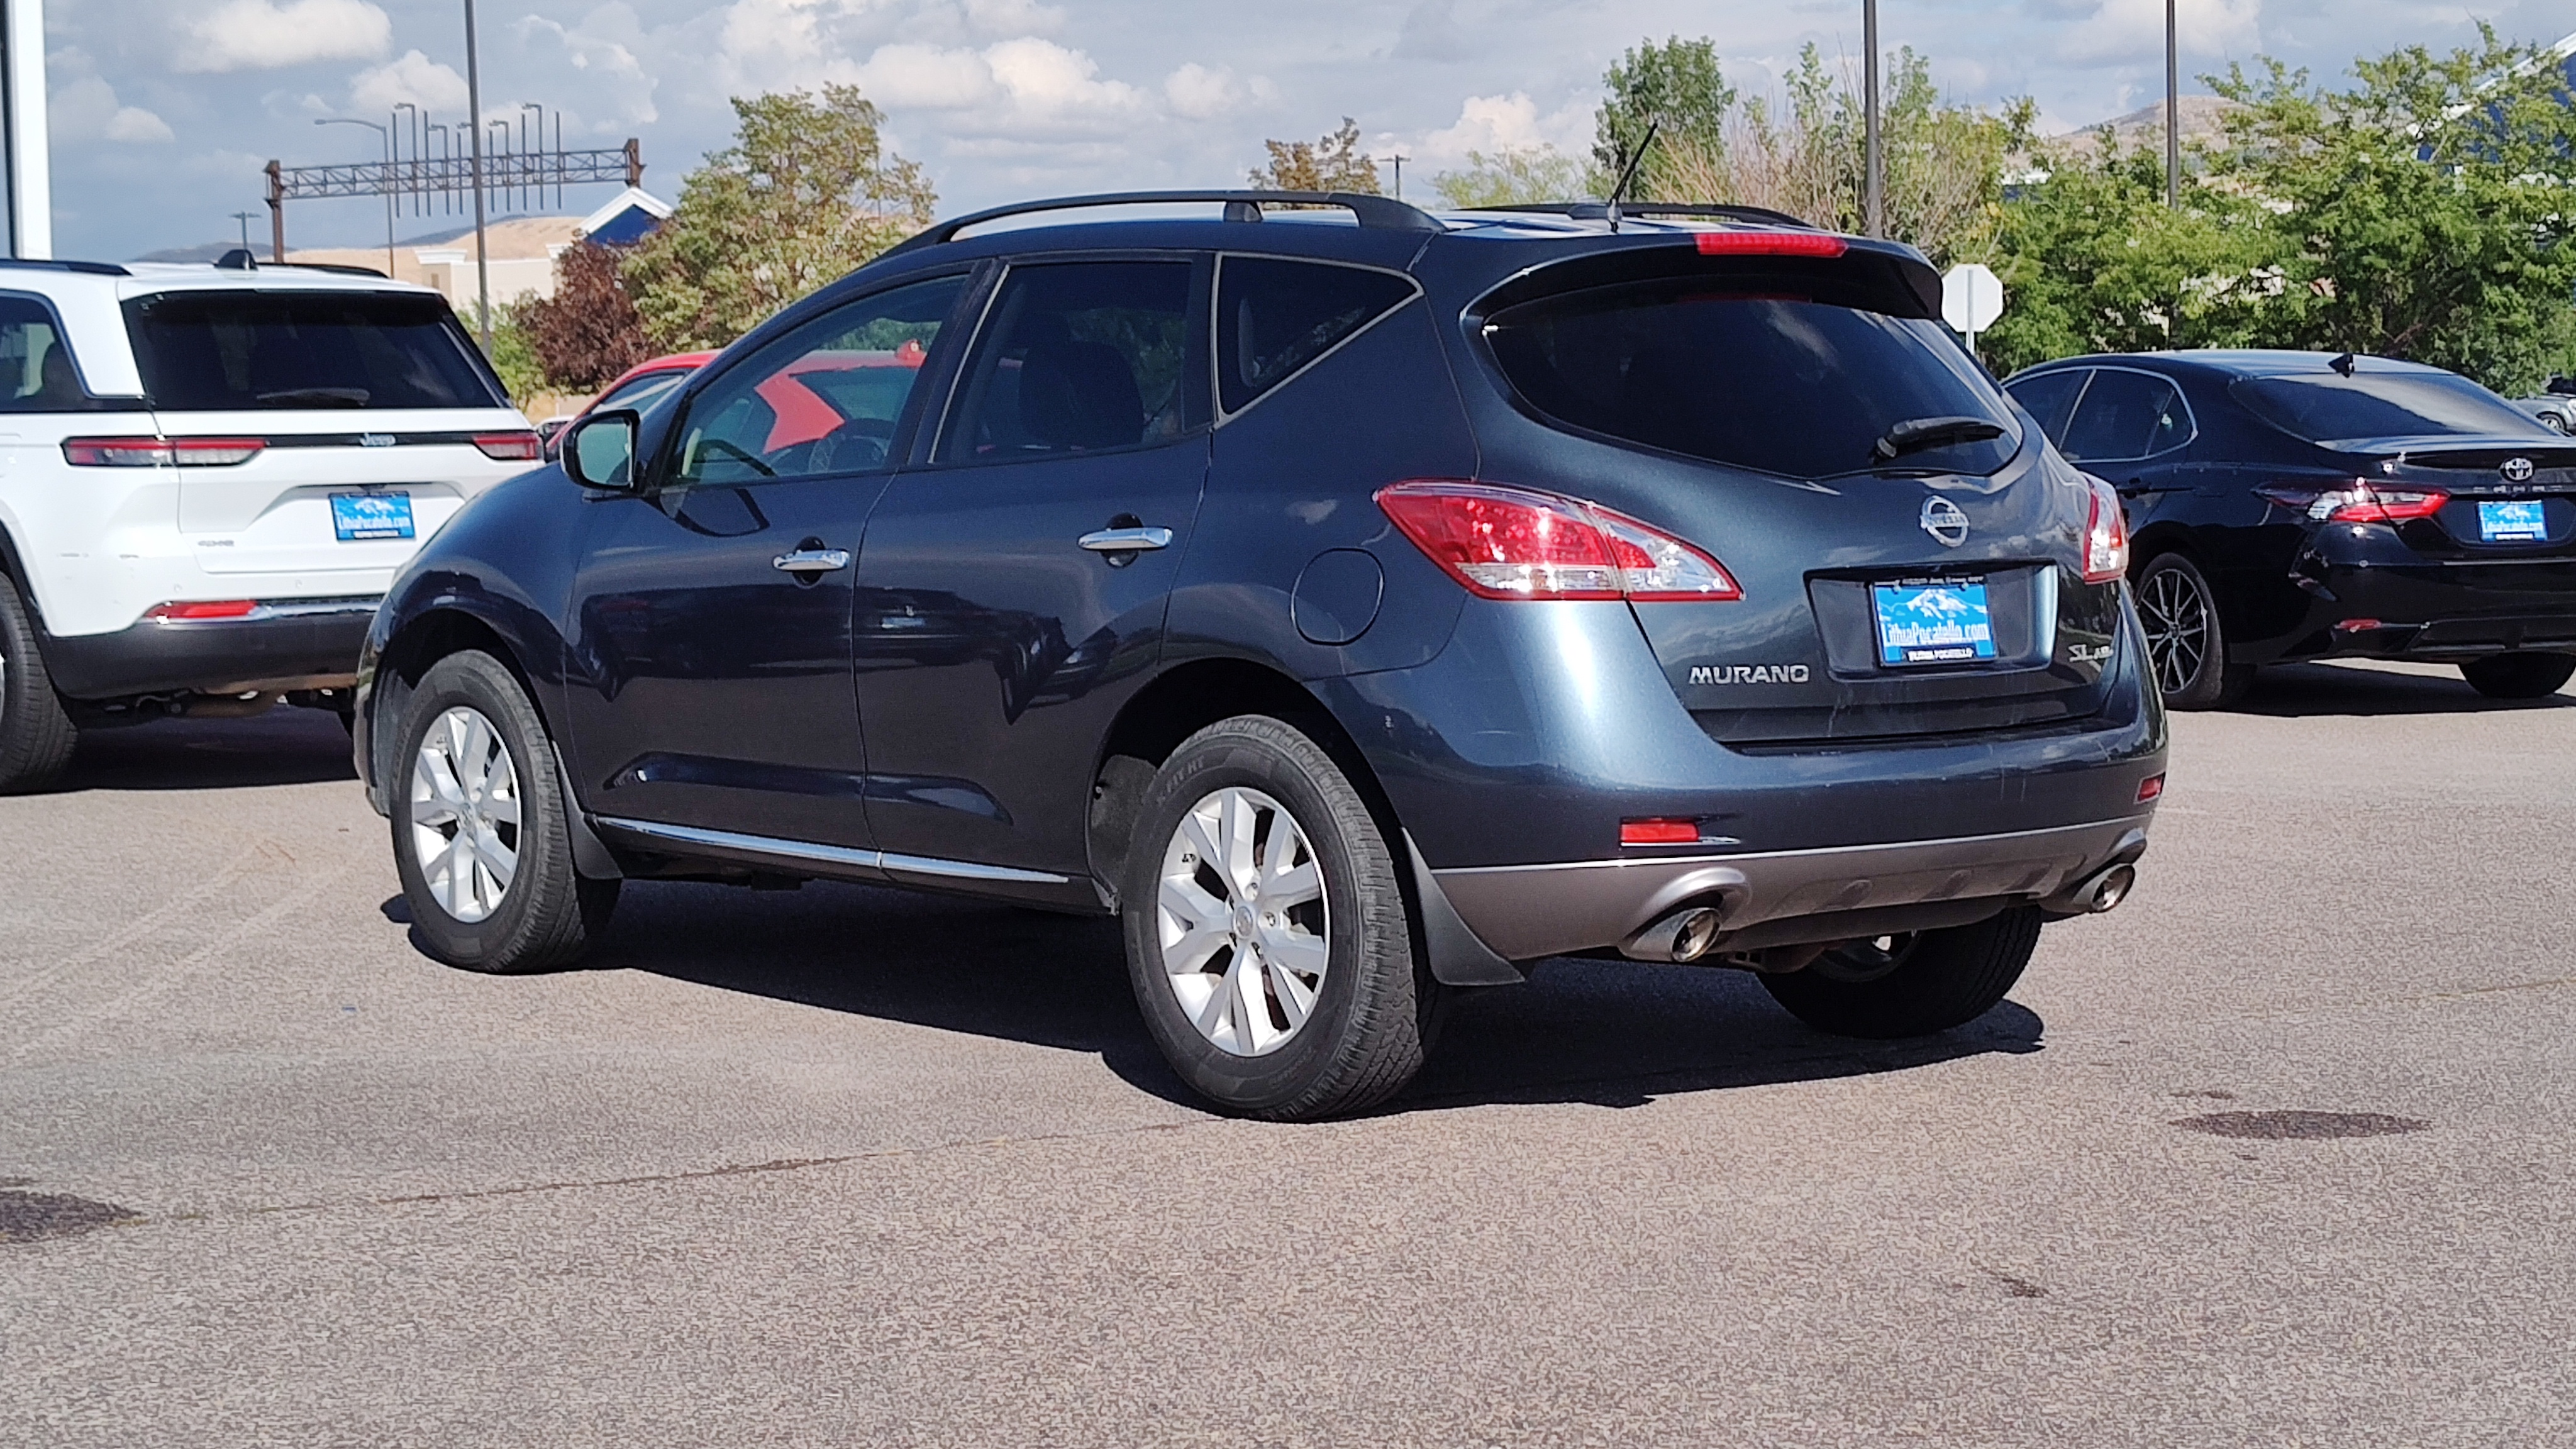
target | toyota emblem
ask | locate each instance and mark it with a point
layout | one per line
(1945, 521)
(2516, 470)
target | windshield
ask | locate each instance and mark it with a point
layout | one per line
(228, 351)
(1783, 384)
(2330, 408)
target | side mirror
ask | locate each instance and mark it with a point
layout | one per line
(599, 451)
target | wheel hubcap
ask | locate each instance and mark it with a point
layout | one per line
(1243, 923)
(2177, 618)
(465, 814)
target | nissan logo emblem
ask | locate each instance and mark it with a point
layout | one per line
(1944, 521)
(2516, 470)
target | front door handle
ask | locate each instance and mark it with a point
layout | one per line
(812, 560)
(1126, 540)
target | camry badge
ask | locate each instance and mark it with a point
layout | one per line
(1944, 521)
(2516, 470)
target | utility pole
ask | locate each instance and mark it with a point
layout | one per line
(1398, 158)
(2173, 113)
(482, 263)
(1873, 202)
(244, 218)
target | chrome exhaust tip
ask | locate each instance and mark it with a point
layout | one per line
(1685, 935)
(2108, 889)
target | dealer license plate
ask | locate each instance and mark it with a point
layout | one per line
(2520, 521)
(360, 516)
(1933, 621)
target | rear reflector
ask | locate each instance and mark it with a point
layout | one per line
(2150, 788)
(1770, 244)
(511, 447)
(1519, 543)
(2106, 535)
(2356, 626)
(219, 609)
(1661, 831)
(152, 452)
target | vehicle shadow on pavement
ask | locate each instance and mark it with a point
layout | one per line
(2302, 691)
(1605, 1033)
(285, 746)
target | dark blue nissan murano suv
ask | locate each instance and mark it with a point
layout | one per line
(1361, 604)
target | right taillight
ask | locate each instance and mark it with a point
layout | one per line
(2106, 536)
(1519, 543)
(2358, 502)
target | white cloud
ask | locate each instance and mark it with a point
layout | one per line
(1014, 17)
(1047, 82)
(1508, 123)
(137, 125)
(412, 79)
(595, 67)
(927, 77)
(1199, 93)
(84, 107)
(265, 35)
(2133, 31)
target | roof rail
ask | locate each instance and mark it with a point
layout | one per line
(345, 269)
(93, 269)
(1600, 210)
(1370, 211)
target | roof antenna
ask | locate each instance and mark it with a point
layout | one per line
(1628, 173)
(2342, 364)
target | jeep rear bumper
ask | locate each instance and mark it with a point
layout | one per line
(284, 644)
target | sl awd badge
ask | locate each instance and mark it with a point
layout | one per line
(1945, 521)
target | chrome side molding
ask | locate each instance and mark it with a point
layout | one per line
(840, 855)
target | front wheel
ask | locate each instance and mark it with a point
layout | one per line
(480, 839)
(1911, 985)
(2519, 676)
(1267, 936)
(2186, 640)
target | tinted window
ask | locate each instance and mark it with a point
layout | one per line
(825, 398)
(205, 351)
(36, 372)
(2327, 407)
(1778, 383)
(1075, 358)
(2126, 415)
(1274, 317)
(2049, 397)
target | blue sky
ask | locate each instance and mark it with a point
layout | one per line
(165, 110)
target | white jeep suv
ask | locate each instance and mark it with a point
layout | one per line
(208, 475)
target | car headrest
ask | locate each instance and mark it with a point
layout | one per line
(1079, 395)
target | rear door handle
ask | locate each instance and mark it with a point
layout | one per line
(812, 560)
(1125, 540)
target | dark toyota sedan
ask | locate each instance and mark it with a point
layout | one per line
(2301, 505)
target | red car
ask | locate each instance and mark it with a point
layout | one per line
(805, 410)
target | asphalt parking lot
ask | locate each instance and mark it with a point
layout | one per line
(2282, 1152)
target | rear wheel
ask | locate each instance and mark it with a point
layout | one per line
(36, 734)
(2519, 676)
(2185, 639)
(1267, 937)
(1911, 985)
(480, 840)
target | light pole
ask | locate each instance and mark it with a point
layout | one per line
(244, 218)
(413, 171)
(1873, 202)
(386, 135)
(2173, 113)
(474, 102)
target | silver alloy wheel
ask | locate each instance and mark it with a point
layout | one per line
(2176, 614)
(1243, 922)
(465, 814)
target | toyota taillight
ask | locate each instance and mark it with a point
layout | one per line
(2357, 501)
(152, 452)
(2106, 536)
(511, 447)
(1519, 543)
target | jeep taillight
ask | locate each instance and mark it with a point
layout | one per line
(153, 452)
(2357, 501)
(511, 447)
(2106, 536)
(1519, 543)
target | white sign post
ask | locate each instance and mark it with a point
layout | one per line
(1972, 297)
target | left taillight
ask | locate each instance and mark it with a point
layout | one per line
(511, 447)
(153, 452)
(2106, 536)
(2358, 502)
(1519, 543)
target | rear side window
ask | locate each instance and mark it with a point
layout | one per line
(2126, 415)
(2049, 397)
(1273, 317)
(2328, 407)
(1075, 357)
(36, 372)
(1779, 383)
(227, 351)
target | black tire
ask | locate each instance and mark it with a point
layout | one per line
(2519, 676)
(1911, 985)
(1363, 1037)
(36, 734)
(546, 914)
(2186, 638)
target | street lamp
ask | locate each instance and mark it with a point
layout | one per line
(1873, 204)
(384, 183)
(2173, 113)
(416, 119)
(474, 129)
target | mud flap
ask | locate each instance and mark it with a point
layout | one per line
(1458, 956)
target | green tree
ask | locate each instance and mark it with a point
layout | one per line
(513, 356)
(1513, 175)
(1334, 163)
(805, 194)
(1675, 88)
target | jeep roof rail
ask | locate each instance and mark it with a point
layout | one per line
(1370, 211)
(345, 269)
(1600, 210)
(94, 269)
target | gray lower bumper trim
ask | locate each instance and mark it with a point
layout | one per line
(848, 858)
(1529, 911)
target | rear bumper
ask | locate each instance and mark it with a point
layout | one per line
(1788, 897)
(2415, 608)
(287, 644)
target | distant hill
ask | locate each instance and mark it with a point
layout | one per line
(2204, 118)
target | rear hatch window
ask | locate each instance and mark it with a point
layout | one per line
(248, 351)
(2333, 410)
(1755, 374)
